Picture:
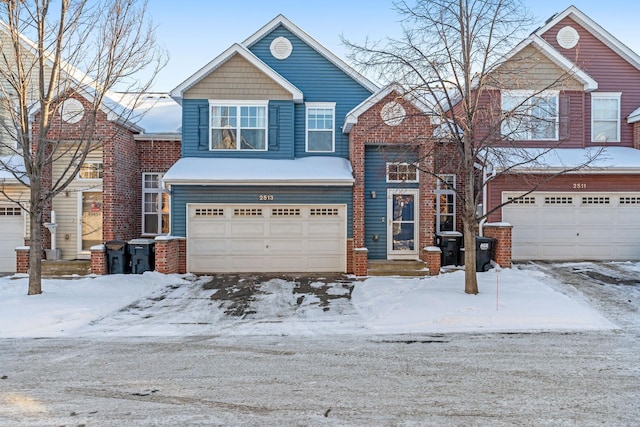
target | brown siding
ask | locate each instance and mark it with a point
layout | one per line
(237, 79)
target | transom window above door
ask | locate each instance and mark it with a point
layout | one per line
(402, 172)
(238, 125)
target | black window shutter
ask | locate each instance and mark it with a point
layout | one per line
(274, 127)
(564, 110)
(203, 127)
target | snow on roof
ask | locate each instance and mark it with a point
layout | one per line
(634, 116)
(233, 171)
(600, 159)
(12, 163)
(159, 114)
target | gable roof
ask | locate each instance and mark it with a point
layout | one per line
(554, 56)
(353, 115)
(302, 35)
(218, 61)
(596, 30)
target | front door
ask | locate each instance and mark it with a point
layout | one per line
(402, 225)
(90, 227)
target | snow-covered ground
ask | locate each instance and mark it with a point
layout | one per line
(510, 300)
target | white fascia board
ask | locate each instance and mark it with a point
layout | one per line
(596, 30)
(353, 115)
(218, 61)
(301, 34)
(553, 55)
(634, 117)
(264, 182)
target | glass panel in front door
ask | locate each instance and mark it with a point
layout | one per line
(91, 219)
(403, 222)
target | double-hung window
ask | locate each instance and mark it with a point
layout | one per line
(605, 117)
(155, 205)
(530, 116)
(320, 126)
(238, 125)
(446, 203)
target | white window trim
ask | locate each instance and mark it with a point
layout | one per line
(441, 190)
(532, 94)
(93, 162)
(327, 105)
(159, 191)
(245, 103)
(606, 95)
(400, 180)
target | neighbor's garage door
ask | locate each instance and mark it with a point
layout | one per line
(266, 238)
(11, 236)
(575, 226)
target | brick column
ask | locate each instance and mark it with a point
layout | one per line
(167, 255)
(501, 231)
(360, 261)
(22, 259)
(636, 135)
(433, 255)
(182, 255)
(99, 260)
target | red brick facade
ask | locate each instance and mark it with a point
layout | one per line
(413, 132)
(502, 233)
(22, 260)
(432, 255)
(167, 255)
(99, 264)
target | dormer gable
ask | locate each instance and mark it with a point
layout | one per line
(239, 64)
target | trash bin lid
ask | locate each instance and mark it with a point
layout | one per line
(141, 242)
(115, 245)
(449, 233)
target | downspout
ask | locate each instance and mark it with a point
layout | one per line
(486, 177)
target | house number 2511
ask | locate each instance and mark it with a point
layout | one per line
(265, 197)
(579, 186)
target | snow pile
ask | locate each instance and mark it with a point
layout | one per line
(153, 304)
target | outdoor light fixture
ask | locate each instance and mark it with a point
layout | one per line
(373, 194)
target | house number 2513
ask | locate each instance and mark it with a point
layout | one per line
(265, 197)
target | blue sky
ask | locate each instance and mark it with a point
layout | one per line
(196, 31)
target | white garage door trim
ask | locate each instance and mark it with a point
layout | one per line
(275, 238)
(12, 230)
(574, 226)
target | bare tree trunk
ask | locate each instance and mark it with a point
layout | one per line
(35, 251)
(469, 225)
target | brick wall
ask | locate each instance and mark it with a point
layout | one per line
(167, 254)
(636, 135)
(414, 133)
(22, 259)
(502, 233)
(99, 264)
(360, 261)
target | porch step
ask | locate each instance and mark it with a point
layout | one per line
(60, 268)
(397, 268)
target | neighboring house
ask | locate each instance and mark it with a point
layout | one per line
(118, 193)
(593, 213)
(265, 183)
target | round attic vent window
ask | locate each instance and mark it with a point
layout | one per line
(281, 48)
(393, 113)
(568, 37)
(71, 111)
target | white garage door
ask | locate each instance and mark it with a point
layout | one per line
(575, 226)
(266, 238)
(11, 236)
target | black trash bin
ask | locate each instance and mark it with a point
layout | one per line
(484, 252)
(117, 257)
(142, 253)
(449, 243)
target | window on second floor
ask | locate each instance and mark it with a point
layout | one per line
(529, 116)
(320, 126)
(605, 117)
(91, 170)
(155, 205)
(402, 172)
(238, 126)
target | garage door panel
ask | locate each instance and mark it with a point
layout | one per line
(592, 227)
(12, 232)
(268, 238)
